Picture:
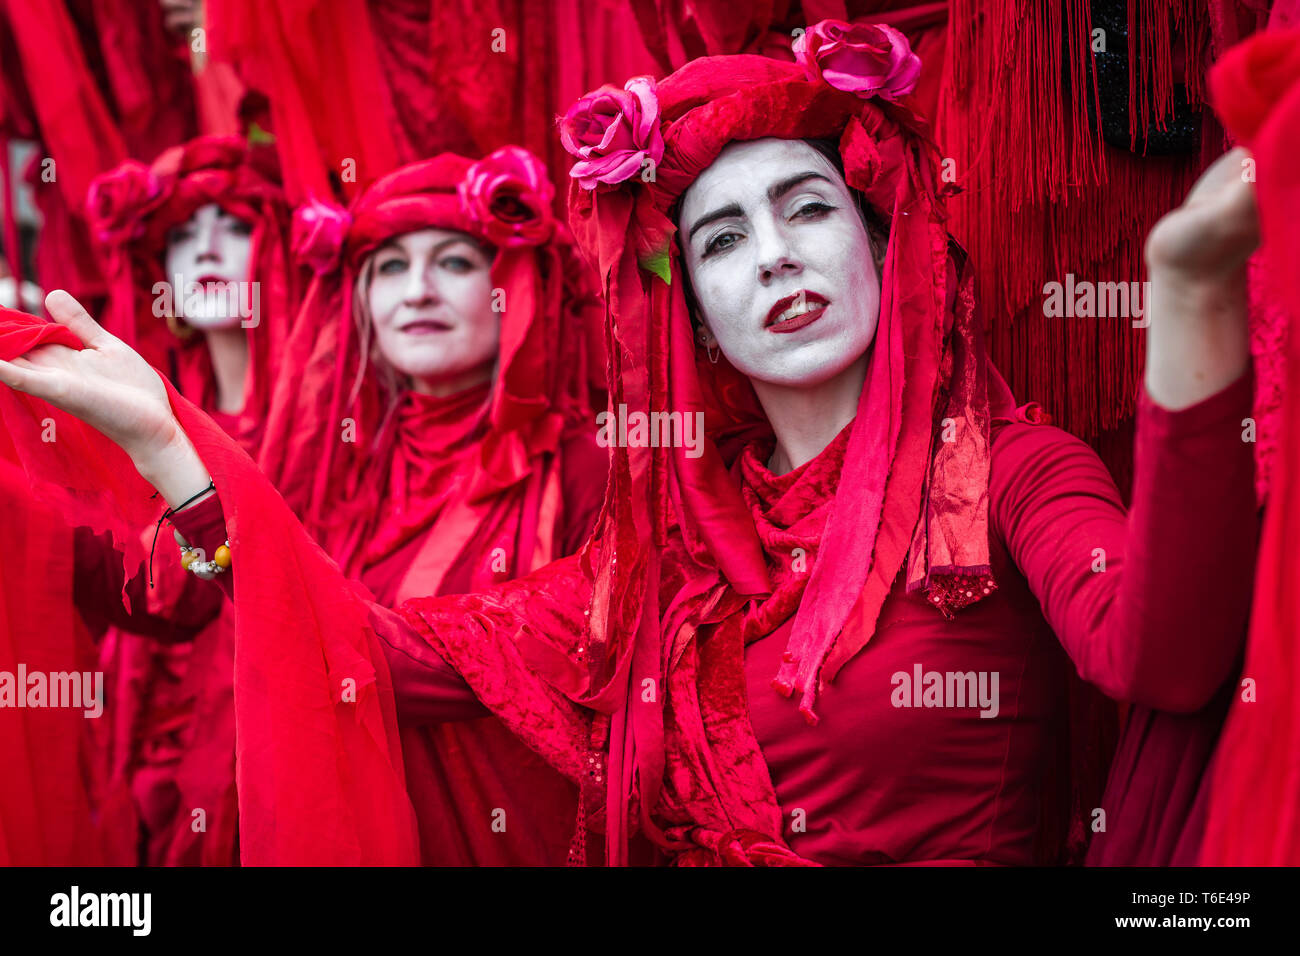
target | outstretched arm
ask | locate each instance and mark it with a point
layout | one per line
(1152, 605)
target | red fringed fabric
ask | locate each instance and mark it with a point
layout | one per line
(1254, 814)
(1045, 198)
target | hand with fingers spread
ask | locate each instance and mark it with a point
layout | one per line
(111, 388)
(1198, 340)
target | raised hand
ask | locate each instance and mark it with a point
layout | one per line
(1212, 234)
(111, 388)
(106, 384)
(1198, 341)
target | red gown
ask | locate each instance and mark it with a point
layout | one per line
(963, 788)
(482, 797)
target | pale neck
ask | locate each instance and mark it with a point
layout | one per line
(806, 419)
(228, 349)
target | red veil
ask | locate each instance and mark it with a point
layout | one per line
(132, 208)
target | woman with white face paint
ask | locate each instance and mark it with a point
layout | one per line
(195, 249)
(875, 527)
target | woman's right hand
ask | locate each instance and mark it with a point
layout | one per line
(106, 384)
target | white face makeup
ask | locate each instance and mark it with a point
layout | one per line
(430, 299)
(209, 251)
(780, 262)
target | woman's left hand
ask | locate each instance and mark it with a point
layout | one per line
(110, 387)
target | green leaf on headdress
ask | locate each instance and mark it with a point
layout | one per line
(658, 263)
(258, 136)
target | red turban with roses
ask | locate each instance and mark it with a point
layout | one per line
(545, 295)
(132, 208)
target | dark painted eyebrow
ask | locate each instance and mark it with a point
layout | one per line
(773, 194)
(785, 185)
(726, 212)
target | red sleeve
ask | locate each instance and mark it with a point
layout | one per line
(427, 689)
(1151, 606)
(176, 609)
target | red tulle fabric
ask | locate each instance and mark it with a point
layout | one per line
(314, 703)
(1254, 810)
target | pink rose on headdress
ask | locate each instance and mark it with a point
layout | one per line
(319, 229)
(862, 58)
(509, 195)
(117, 200)
(612, 132)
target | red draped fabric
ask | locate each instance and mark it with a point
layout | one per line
(306, 728)
(1254, 809)
(360, 87)
(169, 750)
(452, 494)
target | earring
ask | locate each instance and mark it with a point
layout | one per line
(712, 353)
(178, 328)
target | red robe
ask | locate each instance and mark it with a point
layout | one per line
(482, 798)
(966, 788)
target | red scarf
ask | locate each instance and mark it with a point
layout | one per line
(433, 438)
(790, 513)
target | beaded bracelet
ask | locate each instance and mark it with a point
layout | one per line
(207, 570)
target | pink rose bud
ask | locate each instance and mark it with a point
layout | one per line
(861, 58)
(612, 132)
(509, 195)
(319, 229)
(118, 199)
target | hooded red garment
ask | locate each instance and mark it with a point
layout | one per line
(1254, 803)
(418, 495)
